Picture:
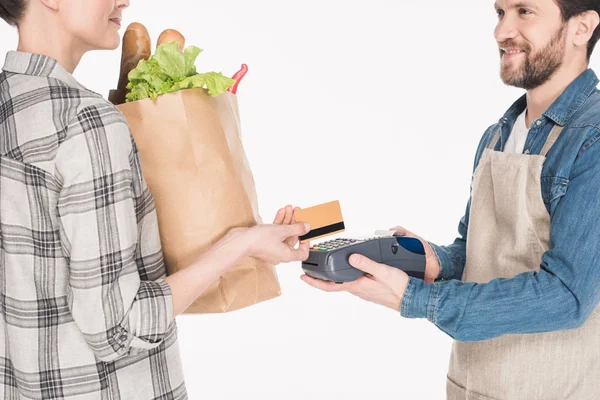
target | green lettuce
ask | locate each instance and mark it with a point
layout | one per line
(169, 70)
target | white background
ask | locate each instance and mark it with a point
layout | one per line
(379, 104)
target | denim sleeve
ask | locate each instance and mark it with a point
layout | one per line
(452, 257)
(561, 296)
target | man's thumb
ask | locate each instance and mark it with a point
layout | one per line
(364, 264)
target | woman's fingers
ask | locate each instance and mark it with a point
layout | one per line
(279, 217)
(289, 213)
(291, 241)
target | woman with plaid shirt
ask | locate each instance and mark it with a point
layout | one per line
(88, 311)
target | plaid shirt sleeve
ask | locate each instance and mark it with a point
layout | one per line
(109, 234)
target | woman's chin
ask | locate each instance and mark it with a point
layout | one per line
(111, 43)
(115, 45)
(115, 41)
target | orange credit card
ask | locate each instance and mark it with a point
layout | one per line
(324, 219)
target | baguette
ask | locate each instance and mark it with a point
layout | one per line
(136, 47)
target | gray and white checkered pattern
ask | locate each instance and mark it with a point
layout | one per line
(86, 313)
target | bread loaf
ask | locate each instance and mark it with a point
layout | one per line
(171, 35)
(136, 47)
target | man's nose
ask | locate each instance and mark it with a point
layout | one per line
(505, 30)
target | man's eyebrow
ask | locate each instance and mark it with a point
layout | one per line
(519, 4)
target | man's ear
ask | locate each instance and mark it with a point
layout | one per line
(586, 22)
(51, 4)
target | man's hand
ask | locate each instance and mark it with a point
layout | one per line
(432, 264)
(381, 283)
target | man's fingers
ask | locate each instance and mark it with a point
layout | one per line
(400, 229)
(366, 265)
(326, 286)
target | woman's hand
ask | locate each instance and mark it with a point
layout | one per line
(272, 242)
(287, 216)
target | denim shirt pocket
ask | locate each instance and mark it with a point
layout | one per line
(553, 188)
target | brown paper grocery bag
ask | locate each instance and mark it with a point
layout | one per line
(197, 171)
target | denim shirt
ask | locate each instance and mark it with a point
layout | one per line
(566, 290)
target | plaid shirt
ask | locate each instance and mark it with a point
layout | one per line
(86, 313)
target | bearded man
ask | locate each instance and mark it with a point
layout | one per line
(519, 288)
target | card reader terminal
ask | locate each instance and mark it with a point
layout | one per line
(329, 260)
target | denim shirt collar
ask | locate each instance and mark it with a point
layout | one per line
(21, 62)
(567, 104)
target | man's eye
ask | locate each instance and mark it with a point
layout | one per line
(500, 13)
(524, 11)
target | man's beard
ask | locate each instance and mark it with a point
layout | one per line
(538, 67)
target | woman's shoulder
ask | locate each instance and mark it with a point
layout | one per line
(97, 114)
(47, 99)
(97, 130)
(99, 107)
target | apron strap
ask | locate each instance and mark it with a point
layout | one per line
(551, 139)
(492, 145)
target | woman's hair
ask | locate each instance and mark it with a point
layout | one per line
(571, 8)
(12, 10)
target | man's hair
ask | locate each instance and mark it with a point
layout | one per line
(12, 10)
(571, 8)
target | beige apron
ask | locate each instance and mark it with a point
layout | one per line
(509, 230)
